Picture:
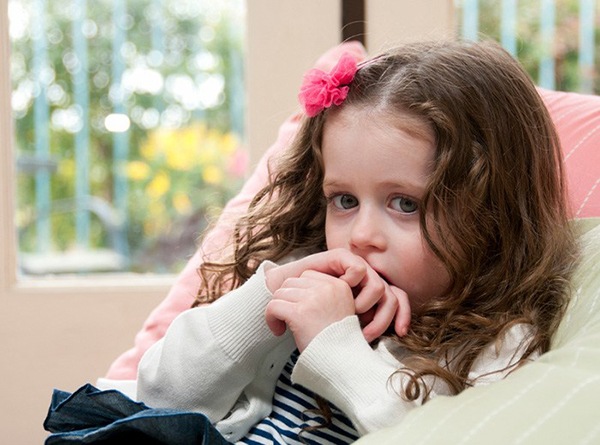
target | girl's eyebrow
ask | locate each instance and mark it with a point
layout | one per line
(331, 183)
(413, 187)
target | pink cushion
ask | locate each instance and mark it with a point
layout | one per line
(577, 118)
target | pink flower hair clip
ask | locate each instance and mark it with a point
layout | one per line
(321, 90)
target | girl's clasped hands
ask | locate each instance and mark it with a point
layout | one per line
(318, 290)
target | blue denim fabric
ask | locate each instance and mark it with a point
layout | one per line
(109, 417)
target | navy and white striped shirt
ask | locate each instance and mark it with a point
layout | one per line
(293, 412)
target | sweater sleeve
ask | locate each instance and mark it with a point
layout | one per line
(212, 354)
(341, 366)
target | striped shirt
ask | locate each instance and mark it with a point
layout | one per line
(293, 412)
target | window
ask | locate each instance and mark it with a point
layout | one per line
(128, 129)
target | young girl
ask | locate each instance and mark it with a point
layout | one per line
(412, 242)
(424, 186)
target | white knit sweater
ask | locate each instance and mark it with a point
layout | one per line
(222, 360)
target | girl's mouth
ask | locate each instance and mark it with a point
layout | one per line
(384, 278)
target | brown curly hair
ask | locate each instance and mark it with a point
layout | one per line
(496, 204)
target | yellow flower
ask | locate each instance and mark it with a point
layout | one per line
(148, 149)
(156, 219)
(229, 143)
(206, 154)
(66, 168)
(212, 175)
(137, 170)
(182, 150)
(158, 186)
(182, 203)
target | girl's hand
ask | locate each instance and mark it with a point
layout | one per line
(377, 316)
(339, 263)
(377, 304)
(308, 304)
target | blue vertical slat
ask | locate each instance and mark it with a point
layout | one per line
(548, 29)
(470, 24)
(586, 45)
(508, 25)
(82, 137)
(40, 119)
(158, 44)
(235, 85)
(195, 47)
(120, 139)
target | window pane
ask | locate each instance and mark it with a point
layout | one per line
(128, 120)
(556, 40)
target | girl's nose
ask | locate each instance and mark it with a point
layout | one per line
(367, 231)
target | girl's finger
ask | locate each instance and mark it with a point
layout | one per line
(339, 263)
(349, 267)
(276, 313)
(289, 288)
(403, 312)
(372, 289)
(385, 311)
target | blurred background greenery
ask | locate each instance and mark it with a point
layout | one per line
(156, 89)
(554, 29)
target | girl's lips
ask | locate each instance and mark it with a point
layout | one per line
(382, 275)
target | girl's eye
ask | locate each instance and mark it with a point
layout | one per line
(404, 205)
(344, 202)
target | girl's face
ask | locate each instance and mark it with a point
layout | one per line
(376, 170)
